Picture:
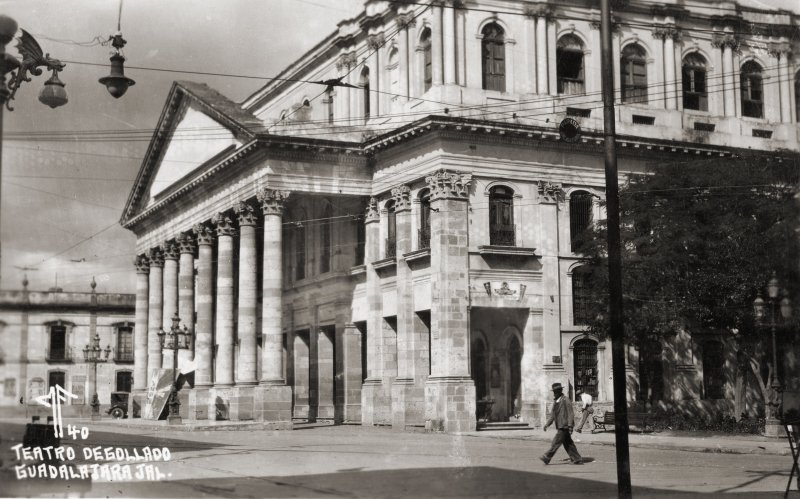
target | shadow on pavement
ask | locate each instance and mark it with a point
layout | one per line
(428, 482)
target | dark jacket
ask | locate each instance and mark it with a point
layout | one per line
(562, 414)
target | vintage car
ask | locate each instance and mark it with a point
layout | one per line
(119, 405)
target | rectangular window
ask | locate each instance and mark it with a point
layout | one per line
(580, 298)
(124, 381)
(57, 378)
(124, 351)
(10, 387)
(57, 349)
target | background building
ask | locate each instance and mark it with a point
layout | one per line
(42, 336)
(384, 233)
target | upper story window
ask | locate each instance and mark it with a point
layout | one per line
(580, 296)
(58, 348)
(695, 92)
(364, 82)
(124, 350)
(493, 48)
(501, 216)
(427, 60)
(569, 65)
(713, 370)
(424, 237)
(752, 90)
(580, 216)
(634, 74)
(325, 240)
(391, 230)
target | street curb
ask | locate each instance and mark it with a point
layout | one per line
(757, 450)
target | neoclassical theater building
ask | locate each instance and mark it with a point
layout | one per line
(383, 233)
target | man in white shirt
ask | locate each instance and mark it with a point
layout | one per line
(586, 409)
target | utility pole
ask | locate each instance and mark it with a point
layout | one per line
(616, 323)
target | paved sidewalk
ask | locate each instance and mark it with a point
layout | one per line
(668, 440)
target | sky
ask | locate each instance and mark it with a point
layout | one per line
(62, 200)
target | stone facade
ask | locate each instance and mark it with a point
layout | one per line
(42, 337)
(399, 253)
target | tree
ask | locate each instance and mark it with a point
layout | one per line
(700, 239)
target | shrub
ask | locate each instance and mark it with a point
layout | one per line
(723, 424)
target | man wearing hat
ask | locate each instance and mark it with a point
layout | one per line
(563, 417)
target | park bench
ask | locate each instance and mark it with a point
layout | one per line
(638, 419)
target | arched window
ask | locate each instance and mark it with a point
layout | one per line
(394, 73)
(493, 48)
(634, 74)
(584, 358)
(325, 240)
(427, 64)
(713, 370)
(580, 216)
(424, 237)
(580, 296)
(391, 230)
(300, 246)
(364, 82)
(569, 65)
(501, 216)
(695, 92)
(752, 90)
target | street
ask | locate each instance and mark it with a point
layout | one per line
(351, 461)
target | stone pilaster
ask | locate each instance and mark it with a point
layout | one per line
(404, 62)
(375, 397)
(273, 397)
(449, 391)
(171, 256)
(326, 338)
(349, 374)
(449, 45)
(204, 327)
(437, 45)
(186, 247)
(374, 43)
(140, 378)
(155, 311)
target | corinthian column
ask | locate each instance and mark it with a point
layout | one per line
(248, 295)
(436, 45)
(273, 398)
(729, 44)
(155, 310)
(186, 247)
(140, 378)
(171, 255)
(224, 311)
(204, 329)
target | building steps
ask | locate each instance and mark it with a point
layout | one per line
(502, 425)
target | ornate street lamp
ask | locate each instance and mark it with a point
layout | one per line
(771, 313)
(175, 339)
(92, 353)
(117, 83)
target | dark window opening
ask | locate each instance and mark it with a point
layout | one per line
(752, 90)
(361, 242)
(57, 349)
(580, 217)
(325, 237)
(365, 92)
(501, 216)
(300, 250)
(391, 230)
(584, 355)
(713, 370)
(569, 65)
(427, 61)
(581, 298)
(695, 92)
(124, 381)
(493, 47)
(634, 74)
(124, 351)
(424, 220)
(58, 378)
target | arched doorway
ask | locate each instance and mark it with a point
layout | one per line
(496, 367)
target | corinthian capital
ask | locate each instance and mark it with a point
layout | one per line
(155, 257)
(374, 42)
(667, 32)
(272, 201)
(205, 236)
(372, 214)
(246, 213)
(449, 185)
(142, 264)
(224, 224)
(185, 243)
(402, 198)
(170, 251)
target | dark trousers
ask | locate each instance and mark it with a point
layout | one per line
(585, 416)
(563, 438)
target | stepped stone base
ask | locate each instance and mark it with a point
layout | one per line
(273, 404)
(450, 404)
(408, 404)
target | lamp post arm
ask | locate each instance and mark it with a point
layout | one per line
(33, 58)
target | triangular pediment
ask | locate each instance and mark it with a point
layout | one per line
(195, 139)
(197, 128)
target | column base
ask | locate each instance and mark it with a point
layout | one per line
(326, 412)
(408, 403)
(450, 404)
(135, 403)
(376, 403)
(773, 428)
(273, 404)
(198, 403)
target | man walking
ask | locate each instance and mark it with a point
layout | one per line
(563, 417)
(586, 409)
